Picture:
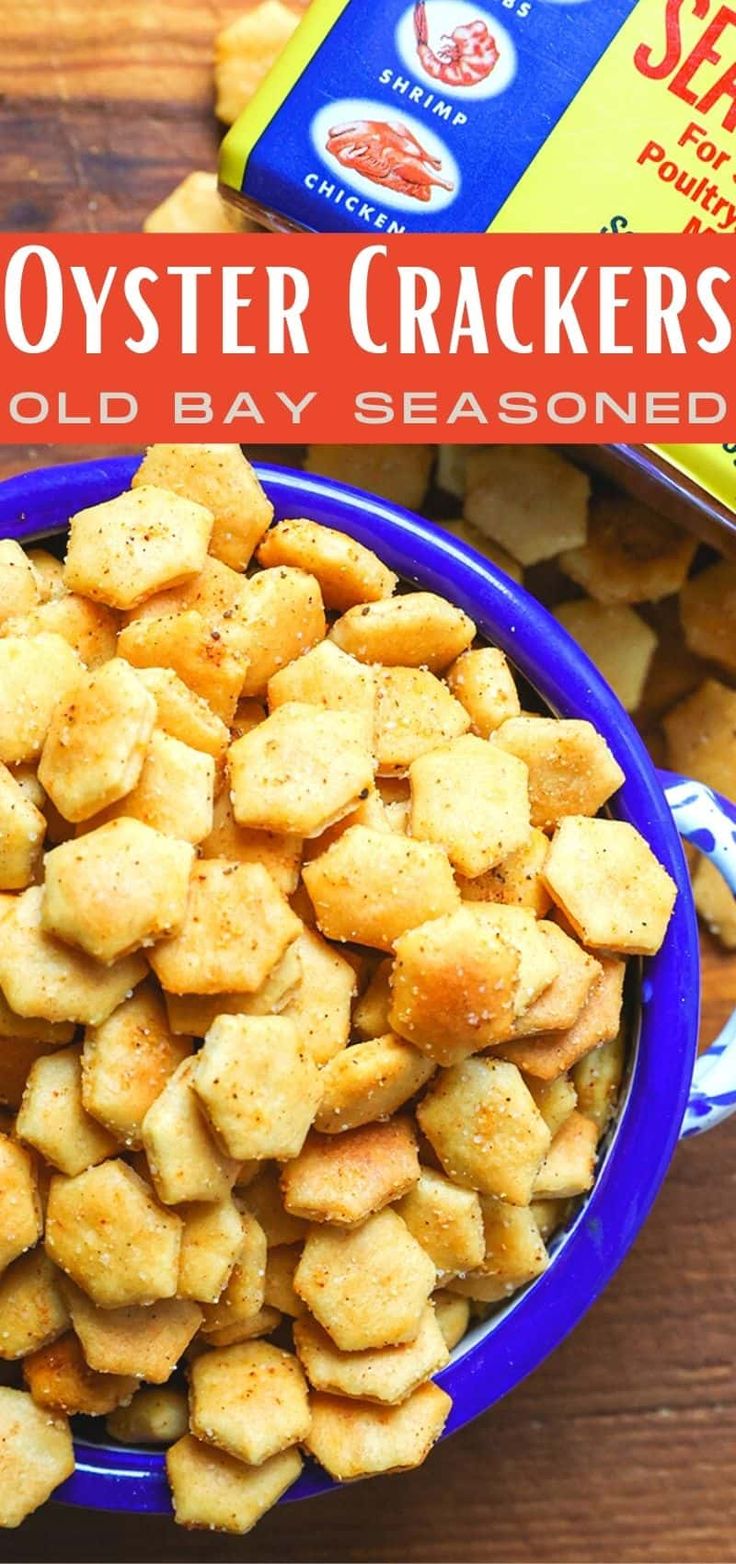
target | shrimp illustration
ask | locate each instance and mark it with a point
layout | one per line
(388, 155)
(464, 57)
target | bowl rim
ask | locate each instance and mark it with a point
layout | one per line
(519, 1339)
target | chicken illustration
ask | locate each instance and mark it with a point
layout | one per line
(387, 155)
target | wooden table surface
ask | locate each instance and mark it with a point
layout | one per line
(622, 1447)
(104, 106)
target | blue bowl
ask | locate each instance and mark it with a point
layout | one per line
(494, 1358)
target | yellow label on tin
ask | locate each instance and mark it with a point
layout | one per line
(648, 143)
(711, 466)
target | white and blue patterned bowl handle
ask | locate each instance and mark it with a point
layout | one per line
(708, 821)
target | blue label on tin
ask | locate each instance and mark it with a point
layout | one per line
(424, 117)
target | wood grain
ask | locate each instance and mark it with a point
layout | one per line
(149, 51)
(621, 1447)
(618, 1450)
(104, 106)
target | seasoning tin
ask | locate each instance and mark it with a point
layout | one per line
(470, 116)
(532, 116)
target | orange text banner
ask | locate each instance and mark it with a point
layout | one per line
(333, 338)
